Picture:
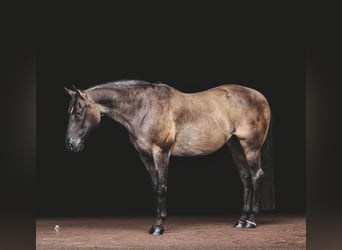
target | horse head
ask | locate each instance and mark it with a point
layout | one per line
(84, 115)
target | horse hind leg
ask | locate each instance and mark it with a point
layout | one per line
(246, 179)
(253, 158)
(257, 174)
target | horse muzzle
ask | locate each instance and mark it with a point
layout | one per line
(74, 145)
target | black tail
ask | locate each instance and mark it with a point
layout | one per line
(267, 201)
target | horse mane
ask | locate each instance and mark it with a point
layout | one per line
(102, 92)
(122, 84)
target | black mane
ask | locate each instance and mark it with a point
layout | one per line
(122, 83)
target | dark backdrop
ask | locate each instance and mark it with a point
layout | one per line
(107, 178)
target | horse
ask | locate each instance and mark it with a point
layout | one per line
(163, 122)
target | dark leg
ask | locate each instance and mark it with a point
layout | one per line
(253, 160)
(161, 162)
(254, 164)
(149, 165)
(245, 175)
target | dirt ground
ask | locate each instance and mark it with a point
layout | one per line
(198, 232)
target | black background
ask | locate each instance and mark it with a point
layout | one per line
(21, 192)
(30, 35)
(19, 189)
(107, 178)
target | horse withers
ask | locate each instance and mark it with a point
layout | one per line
(162, 121)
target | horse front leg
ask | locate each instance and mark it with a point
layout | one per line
(161, 162)
(149, 165)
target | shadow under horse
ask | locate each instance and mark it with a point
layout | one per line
(162, 121)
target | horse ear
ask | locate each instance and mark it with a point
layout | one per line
(79, 92)
(69, 91)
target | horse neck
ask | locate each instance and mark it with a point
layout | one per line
(120, 104)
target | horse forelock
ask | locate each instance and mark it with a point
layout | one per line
(72, 104)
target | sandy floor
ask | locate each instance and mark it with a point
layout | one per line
(273, 232)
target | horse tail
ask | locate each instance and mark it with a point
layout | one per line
(267, 201)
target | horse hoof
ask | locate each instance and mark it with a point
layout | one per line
(156, 230)
(250, 224)
(240, 224)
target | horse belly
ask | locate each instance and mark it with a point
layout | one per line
(192, 141)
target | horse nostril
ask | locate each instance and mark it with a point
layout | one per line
(69, 145)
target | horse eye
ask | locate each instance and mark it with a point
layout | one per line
(79, 112)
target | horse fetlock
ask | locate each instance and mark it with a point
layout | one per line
(253, 215)
(246, 209)
(254, 212)
(162, 215)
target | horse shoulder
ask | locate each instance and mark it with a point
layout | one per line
(155, 124)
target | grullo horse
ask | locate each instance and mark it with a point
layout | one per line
(162, 121)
